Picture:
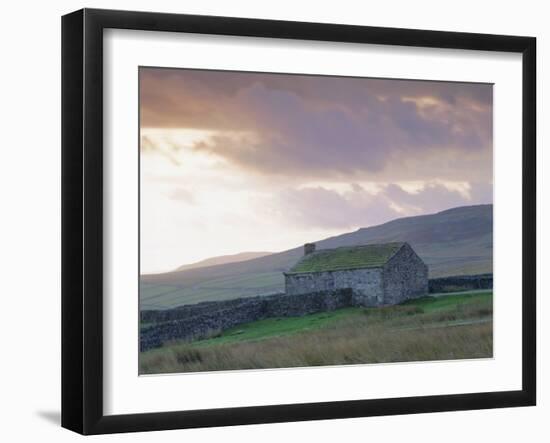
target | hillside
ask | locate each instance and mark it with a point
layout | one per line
(223, 259)
(452, 242)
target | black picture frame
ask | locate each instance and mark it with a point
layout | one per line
(82, 220)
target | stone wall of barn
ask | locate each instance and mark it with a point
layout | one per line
(404, 276)
(366, 284)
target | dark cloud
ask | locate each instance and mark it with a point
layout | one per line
(202, 98)
(315, 125)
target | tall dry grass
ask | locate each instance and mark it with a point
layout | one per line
(395, 334)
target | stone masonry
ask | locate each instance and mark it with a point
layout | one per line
(191, 322)
(391, 274)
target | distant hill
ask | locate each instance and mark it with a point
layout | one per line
(453, 242)
(223, 259)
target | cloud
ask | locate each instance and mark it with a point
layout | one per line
(324, 208)
(432, 198)
(320, 126)
(319, 207)
(234, 155)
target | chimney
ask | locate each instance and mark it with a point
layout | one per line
(309, 248)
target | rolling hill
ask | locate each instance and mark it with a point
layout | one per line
(453, 242)
(223, 259)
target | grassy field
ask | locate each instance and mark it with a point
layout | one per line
(450, 326)
(154, 296)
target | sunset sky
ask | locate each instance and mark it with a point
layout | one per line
(234, 162)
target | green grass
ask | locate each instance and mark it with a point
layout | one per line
(278, 327)
(429, 328)
(223, 288)
(443, 302)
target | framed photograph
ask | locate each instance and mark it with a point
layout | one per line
(268, 221)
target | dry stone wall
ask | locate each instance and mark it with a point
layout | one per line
(461, 283)
(192, 322)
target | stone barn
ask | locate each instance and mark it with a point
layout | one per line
(379, 274)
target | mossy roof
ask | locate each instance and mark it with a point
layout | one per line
(352, 257)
